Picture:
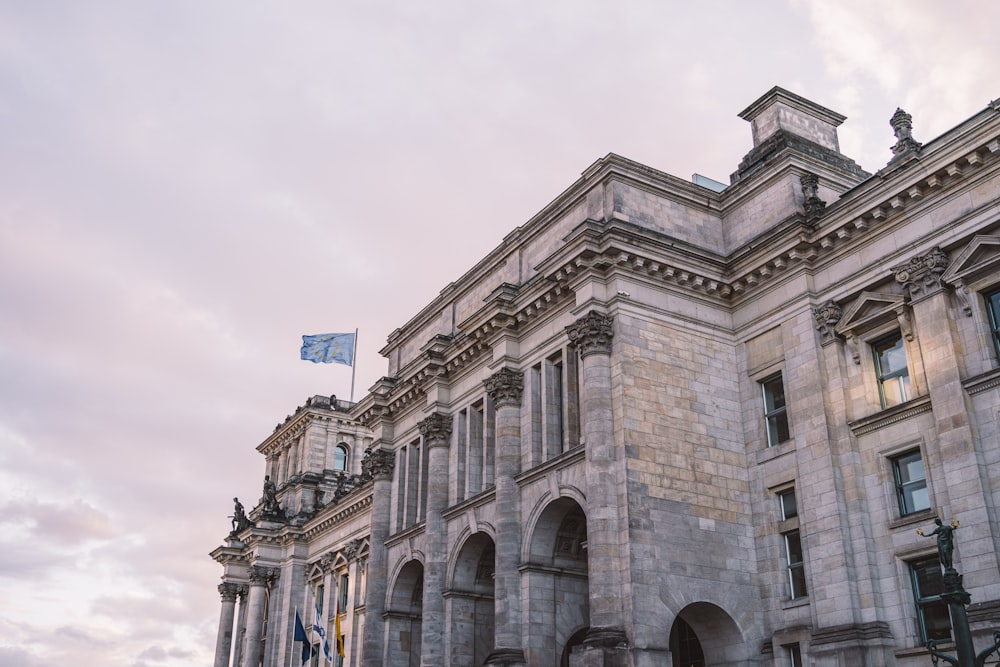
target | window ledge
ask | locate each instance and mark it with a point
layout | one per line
(920, 650)
(797, 602)
(917, 517)
(889, 416)
(774, 451)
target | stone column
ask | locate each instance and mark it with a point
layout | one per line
(436, 431)
(224, 640)
(379, 464)
(241, 626)
(260, 578)
(592, 336)
(506, 387)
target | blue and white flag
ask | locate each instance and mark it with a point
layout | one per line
(318, 630)
(329, 348)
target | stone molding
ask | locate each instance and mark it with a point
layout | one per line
(889, 416)
(827, 316)
(921, 276)
(436, 429)
(592, 333)
(505, 387)
(855, 632)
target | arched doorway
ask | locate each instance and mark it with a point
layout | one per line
(704, 634)
(403, 616)
(557, 583)
(470, 602)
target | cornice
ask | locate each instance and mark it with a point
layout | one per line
(336, 514)
(298, 423)
(890, 416)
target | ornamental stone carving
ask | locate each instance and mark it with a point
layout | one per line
(902, 126)
(378, 464)
(813, 205)
(228, 590)
(827, 316)
(436, 430)
(592, 333)
(922, 275)
(351, 549)
(505, 387)
(261, 576)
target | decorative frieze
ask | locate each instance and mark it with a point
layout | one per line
(592, 333)
(436, 429)
(827, 316)
(505, 387)
(922, 275)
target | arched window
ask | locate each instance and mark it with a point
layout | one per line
(340, 457)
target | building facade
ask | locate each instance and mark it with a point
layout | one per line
(665, 423)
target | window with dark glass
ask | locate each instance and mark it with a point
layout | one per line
(911, 484)
(792, 542)
(891, 371)
(794, 653)
(932, 611)
(775, 414)
(993, 308)
(789, 508)
(795, 564)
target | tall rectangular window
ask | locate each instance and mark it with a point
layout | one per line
(891, 371)
(792, 542)
(794, 655)
(932, 611)
(795, 565)
(993, 308)
(911, 484)
(775, 412)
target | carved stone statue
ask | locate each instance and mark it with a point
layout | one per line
(270, 496)
(945, 540)
(240, 520)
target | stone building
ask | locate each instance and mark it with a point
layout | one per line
(666, 423)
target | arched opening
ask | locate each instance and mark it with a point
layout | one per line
(575, 640)
(684, 645)
(704, 634)
(403, 616)
(557, 583)
(471, 602)
(341, 456)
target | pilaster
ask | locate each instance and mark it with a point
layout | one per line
(380, 464)
(506, 388)
(436, 431)
(606, 642)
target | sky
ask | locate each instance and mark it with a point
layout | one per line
(188, 187)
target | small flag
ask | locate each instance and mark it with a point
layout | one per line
(336, 631)
(318, 630)
(329, 348)
(301, 636)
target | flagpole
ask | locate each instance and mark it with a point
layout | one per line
(354, 363)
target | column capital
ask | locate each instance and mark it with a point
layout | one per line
(379, 464)
(827, 316)
(921, 276)
(229, 590)
(592, 333)
(436, 429)
(260, 575)
(505, 387)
